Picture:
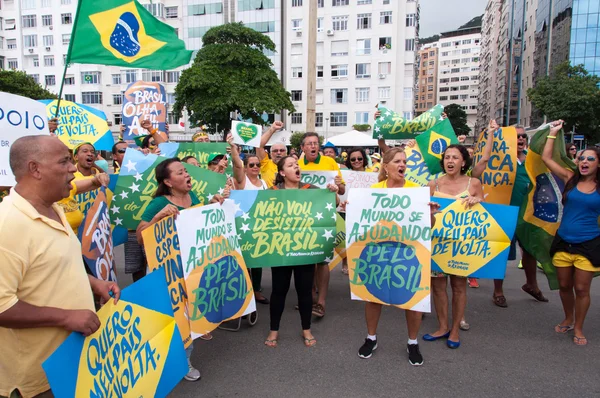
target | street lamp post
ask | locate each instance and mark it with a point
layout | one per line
(326, 127)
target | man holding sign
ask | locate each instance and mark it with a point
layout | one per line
(268, 166)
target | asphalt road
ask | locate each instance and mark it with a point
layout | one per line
(512, 352)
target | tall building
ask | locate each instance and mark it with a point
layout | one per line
(427, 78)
(528, 63)
(585, 36)
(458, 76)
(365, 56)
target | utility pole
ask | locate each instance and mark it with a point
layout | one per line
(311, 75)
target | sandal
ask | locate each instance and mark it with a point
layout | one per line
(271, 343)
(309, 342)
(500, 301)
(562, 329)
(318, 310)
(464, 325)
(207, 337)
(536, 295)
(580, 340)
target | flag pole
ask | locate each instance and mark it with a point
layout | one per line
(68, 58)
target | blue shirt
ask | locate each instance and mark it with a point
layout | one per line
(580, 217)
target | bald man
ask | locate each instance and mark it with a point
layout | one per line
(45, 292)
(268, 167)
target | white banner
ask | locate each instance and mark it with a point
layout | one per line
(318, 178)
(357, 179)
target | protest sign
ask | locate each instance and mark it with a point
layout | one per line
(472, 242)
(499, 176)
(161, 244)
(96, 239)
(216, 277)
(285, 227)
(246, 133)
(340, 243)
(143, 101)
(199, 150)
(78, 123)
(391, 126)
(318, 178)
(137, 183)
(136, 352)
(416, 169)
(357, 179)
(388, 244)
(19, 117)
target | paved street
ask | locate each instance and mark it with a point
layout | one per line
(511, 352)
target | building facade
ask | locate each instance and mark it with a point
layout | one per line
(426, 66)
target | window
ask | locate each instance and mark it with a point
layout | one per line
(117, 99)
(319, 97)
(363, 71)
(385, 17)
(339, 95)
(46, 3)
(158, 10)
(385, 68)
(319, 119)
(171, 98)
(466, 51)
(385, 92)
(464, 96)
(319, 71)
(173, 76)
(13, 63)
(453, 97)
(69, 80)
(35, 61)
(66, 19)
(11, 44)
(50, 80)
(454, 79)
(35, 77)
(464, 78)
(66, 39)
(296, 3)
(409, 44)
(455, 70)
(130, 76)
(444, 98)
(116, 78)
(27, 4)
(338, 3)
(362, 2)
(362, 94)
(64, 59)
(30, 41)
(296, 24)
(320, 3)
(172, 118)
(296, 95)
(363, 21)
(90, 77)
(296, 118)
(464, 87)
(339, 48)
(48, 60)
(362, 117)
(444, 80)
(117, 119)
(65, 2)
(2, 47)
(338, 71)
(387, 2)
(444, 89)
(338, 119)
(297, 72)
(171, 12)
(385, 43)
(445, 53)
(152, 76)
(468, 41)
(363, 47)
(455, 88)
(29, 21)
(320, 24)
(446, 44)
(411, 20)
(10, 24)
(48, 40)
(91, 97)
(408, 93)
(71, 97)
(340, 22)
(297, 49)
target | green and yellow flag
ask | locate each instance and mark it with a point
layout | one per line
(434, 142)
(391, 126)
(541, 213)
(124, 33)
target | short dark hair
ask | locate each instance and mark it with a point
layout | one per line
(116, 146)
(162, 173)
(306, 135)
(362, 152)
(185, 159)
(465, 155)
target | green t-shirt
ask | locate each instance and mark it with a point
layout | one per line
(521, 185)
(159, 203)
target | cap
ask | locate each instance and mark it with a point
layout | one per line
(376, 156)
(215, 157)
(76, 149)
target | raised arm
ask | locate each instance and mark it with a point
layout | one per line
(159, 137)
(90, 184)
(551, 164)
(260, 151)
(239, 175)
(479, 168)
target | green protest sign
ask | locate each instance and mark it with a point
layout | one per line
(391, 126)
(137, 183)
(285, 227)
(199, 150)
(246, 133)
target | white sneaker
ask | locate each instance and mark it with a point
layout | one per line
(193, 374)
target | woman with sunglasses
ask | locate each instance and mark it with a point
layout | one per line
(576, 247)
(357, 160)
(572, 151)
(246, 177)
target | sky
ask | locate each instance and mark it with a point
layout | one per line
(443, 15)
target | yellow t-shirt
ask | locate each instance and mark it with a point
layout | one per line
(42, 266)
(321, 163)
(268, 171)
(71, 208)
(407, 184)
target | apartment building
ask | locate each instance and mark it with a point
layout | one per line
(365, 56)
(426, 66)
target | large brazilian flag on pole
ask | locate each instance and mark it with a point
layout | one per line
(124, 33)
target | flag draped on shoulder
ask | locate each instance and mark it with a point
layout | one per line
(541, 213)
(434, 142)
(124, 33)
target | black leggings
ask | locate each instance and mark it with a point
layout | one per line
(256, 276)
(303, 280)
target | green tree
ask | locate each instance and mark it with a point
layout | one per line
(231, 73)
(458, 119)
(19, 83)
(570, 94)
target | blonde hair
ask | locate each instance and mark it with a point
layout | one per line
(388, 156)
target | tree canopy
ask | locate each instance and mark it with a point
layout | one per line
(570, 94)
(19, 83)
(231, 73)
(458, 119)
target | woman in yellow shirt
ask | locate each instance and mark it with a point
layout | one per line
(357, 160)
(71, 207)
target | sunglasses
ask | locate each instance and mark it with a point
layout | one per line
(356, 159)
(122, 150)
(252, 165)
(589, 158)
(522, 135)
(572, 149)
(278, 150)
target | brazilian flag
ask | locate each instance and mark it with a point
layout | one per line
(434, 142)
(124, 33)
(541, 213)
